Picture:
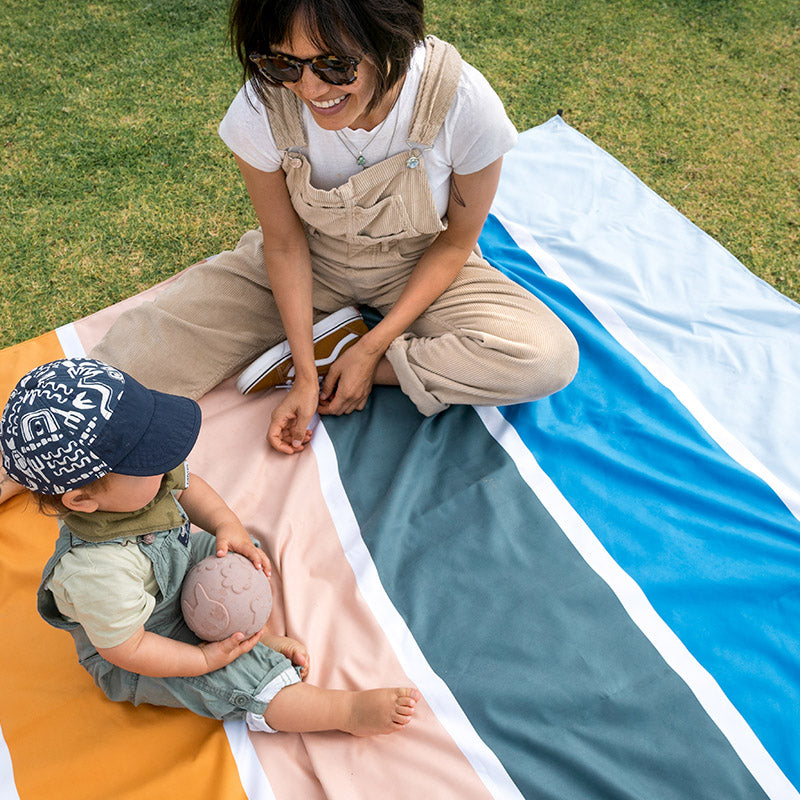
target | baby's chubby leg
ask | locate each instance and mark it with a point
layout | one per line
(303, 708)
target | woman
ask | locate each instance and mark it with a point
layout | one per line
(371, 158)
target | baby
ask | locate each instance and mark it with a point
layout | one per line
(107, 456)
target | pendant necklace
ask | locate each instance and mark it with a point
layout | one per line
(358, 153)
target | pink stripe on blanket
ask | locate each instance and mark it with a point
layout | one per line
(318, 602)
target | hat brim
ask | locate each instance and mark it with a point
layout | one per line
(167, 439)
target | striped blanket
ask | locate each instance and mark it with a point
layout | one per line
(597, 594)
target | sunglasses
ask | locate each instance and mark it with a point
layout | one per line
(336, 70)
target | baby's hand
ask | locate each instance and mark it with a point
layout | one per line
(220, 654)
(235, 538)
(295, 651)
(299, 656)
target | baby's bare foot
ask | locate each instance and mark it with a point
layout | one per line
(295, 651)
(382, 711)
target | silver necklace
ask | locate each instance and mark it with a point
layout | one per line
(358, 154)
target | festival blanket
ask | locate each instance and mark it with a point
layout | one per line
(597, 594)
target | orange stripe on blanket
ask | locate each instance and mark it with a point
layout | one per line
(317, 600)
(21, 358)
(65, 739)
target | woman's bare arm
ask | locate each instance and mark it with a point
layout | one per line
(288, 264)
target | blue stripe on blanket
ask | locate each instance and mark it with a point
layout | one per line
(714, 549)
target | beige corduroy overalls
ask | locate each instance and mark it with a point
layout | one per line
(484, 341)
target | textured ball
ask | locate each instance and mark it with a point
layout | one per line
(221, 596)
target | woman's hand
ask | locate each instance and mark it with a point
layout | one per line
(349, 381)
(288, 429)
(287, 260)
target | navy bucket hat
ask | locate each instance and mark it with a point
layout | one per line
(72, 421)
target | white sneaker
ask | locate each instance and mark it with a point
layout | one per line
(332, 336)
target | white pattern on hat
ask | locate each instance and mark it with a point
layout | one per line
(52, 419)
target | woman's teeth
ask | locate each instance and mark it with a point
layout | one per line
(327, 103)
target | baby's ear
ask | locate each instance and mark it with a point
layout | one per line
(79, 500)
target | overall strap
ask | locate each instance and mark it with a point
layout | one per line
(285, 114)
(437, 88)
(45, 602)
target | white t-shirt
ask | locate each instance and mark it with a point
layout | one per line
(475, 133)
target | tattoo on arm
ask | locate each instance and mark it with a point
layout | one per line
(455, 193)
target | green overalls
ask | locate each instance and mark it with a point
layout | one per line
(237, 691)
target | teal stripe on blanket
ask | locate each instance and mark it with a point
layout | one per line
(548, 667)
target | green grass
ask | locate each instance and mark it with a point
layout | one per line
(113, 176)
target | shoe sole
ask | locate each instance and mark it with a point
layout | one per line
(276, 368)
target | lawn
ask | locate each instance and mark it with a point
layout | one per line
(113, 176)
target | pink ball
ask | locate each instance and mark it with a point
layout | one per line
(221, 596)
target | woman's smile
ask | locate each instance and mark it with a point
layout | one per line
(333, 107)
(326, 105)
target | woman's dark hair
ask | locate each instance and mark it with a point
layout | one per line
(385, 31)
